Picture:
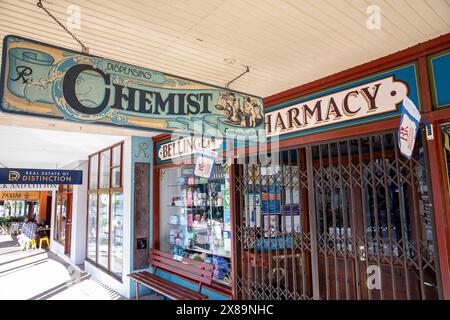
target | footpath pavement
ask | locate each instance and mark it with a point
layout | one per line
(41, 275)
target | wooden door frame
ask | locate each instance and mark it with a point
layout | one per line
(68, 238)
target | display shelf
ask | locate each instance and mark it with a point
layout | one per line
(223, 282)
(177, 224)
(207, 207)
(203, 231)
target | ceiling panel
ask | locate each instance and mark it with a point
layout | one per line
(37, 148)
(286, 43)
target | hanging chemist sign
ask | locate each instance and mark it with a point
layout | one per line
(47, 81)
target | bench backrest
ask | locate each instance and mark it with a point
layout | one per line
(195, 270)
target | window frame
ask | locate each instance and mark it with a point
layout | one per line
(97, 191)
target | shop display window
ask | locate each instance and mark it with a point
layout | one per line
(105, 210)
(195, 217)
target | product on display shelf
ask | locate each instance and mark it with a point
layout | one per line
(199, 215)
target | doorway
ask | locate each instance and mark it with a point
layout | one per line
(348, 219)
(63, 217)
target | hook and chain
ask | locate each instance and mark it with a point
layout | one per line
(83, 47)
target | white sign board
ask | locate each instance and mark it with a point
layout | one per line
(187, 146)
(373, 98)
(28, 187)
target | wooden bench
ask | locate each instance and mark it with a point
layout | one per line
(188, 269)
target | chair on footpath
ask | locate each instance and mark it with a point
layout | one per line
(42, 240)
(29, 244)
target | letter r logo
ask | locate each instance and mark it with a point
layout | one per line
(13, 176)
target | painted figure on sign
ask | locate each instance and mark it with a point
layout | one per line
(252, 112)
(245, 112)
(227, 102)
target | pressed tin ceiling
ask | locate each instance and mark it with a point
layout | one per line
(285, 43)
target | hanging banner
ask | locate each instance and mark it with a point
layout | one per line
(47, 81)
(204, 164)
(409, 125)
(40, 176)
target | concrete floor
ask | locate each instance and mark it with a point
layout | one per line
(41, 275)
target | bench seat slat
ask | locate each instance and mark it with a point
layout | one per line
(199, 264)
(192, 270)
(184, 266)
(172, 292)
(170, 285)
(167, 288)
(179, 271)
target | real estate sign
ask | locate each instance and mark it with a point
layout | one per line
(47, 81)
(40, 176)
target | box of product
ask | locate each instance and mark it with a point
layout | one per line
(174, 219)
(271, 222)
(274, 243)
(227, 245)
(254, 205)
(291, 218)
(292, 196)
(271, 201)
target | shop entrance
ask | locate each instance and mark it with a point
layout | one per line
(348, 219)
(63, 217)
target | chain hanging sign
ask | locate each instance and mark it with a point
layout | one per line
(47, 81)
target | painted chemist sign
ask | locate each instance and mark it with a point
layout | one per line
(47, 81)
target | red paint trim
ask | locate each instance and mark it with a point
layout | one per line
(424, 83)
(438, 183)
(161, 137)
(437, 116)
(156, 211)
(233, 239)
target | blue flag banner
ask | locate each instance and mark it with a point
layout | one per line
(40, 176)
(409, 126)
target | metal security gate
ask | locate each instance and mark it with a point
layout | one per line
(349, 219)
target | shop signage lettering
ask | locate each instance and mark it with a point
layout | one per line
(40, 176)
(18, 195)
(187, 146)
(28, 187)
(373, 98)
(47, 81)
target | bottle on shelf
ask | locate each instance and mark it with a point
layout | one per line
(189, 197)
